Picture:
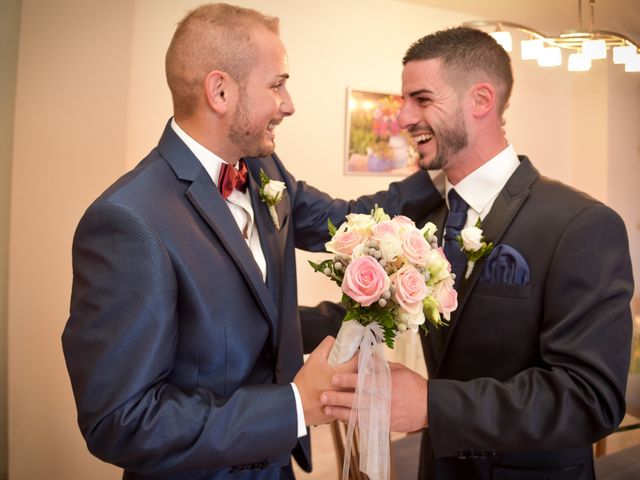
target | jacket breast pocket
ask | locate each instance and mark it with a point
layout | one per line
(502, 290)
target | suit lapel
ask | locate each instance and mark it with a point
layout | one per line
(495, 224)
(268, 238)
(208, 202)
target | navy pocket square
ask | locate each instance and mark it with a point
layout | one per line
(507, 266)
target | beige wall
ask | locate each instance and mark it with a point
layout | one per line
(91, 101)
(9, 28)
(73, 76)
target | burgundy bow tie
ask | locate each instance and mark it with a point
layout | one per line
(231, 179)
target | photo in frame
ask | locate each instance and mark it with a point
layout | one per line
(375, 143)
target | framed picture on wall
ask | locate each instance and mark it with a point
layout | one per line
(375, 144)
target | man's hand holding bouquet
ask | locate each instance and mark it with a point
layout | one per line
(393, 277)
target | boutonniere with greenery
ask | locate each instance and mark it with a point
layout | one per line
(271, 192)
(474, 245)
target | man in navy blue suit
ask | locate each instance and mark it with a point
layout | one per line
(184, 344)
(533, 366)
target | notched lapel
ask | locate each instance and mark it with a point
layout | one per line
(215, 212)
(494, 226)
(268, 238)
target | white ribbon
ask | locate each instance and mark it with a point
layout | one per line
(371, 403)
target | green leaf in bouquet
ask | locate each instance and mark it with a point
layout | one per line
(332, 227)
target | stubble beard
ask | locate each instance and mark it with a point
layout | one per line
(450, 140)
(246, 136)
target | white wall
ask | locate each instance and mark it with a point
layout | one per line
(622, 128)
(92, 100)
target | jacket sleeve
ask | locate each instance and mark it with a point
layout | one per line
(415, 197)
(120, 343)
(578, 394)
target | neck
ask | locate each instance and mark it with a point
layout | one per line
(211, 137)
(474, 156)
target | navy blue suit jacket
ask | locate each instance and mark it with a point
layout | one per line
(179, 354)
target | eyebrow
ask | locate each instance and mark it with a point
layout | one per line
(420, 92)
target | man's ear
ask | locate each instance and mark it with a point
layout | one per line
(217, 85)
(483, 99)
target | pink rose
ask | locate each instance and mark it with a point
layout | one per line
(410, 289)
(365, 280)
(402, 220)
(446, 296)
(345, 242)
(416, 248)
(387, 227)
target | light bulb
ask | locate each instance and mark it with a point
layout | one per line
(530, 49)
(633, 64)
(623, 54)
(504, 39)
(578, 62)
(594, 49)
(550, 57)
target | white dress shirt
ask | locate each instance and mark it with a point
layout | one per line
(240, 206)
(481, 187)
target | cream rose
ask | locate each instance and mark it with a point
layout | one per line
(410, 321)
(390, 248)
(471, 238)
(274, 190)
(360, 221)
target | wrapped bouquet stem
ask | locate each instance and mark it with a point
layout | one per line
(393, 278)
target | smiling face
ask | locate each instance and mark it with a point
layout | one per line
(433, 113)
(263, 98)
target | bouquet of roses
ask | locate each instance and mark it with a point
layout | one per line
(390, 272)
(393, 277)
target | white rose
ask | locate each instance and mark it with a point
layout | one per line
(471, 238)
(360, 221)
(390, 248)
(410, 321)
(274, 189)
(429, 230)
(379, 215)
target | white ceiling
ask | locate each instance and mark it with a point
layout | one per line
(552, 17)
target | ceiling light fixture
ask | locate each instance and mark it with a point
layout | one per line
(586, 45)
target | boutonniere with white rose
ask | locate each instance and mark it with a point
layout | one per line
(474, 245)
(271, 192)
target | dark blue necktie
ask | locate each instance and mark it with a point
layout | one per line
(455, 223)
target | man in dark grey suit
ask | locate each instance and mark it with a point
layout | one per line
(533, 366)
(183, 343)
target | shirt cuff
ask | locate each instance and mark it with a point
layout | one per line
(302, 427)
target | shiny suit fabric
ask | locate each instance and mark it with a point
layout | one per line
(179, 354)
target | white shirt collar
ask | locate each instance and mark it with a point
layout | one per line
(483, 185)
(209, 160)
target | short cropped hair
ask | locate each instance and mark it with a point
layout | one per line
(214, 36)
(468, 56)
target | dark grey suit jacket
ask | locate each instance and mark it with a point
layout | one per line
(527, 376)
(179, 354)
